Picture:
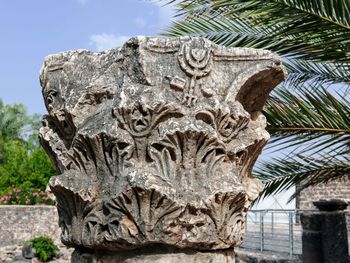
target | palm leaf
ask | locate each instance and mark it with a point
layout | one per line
(315, 74)
(311, 23)
(312, 120)
(234, 33)
(283, 173)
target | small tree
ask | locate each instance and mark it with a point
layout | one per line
(23, 163)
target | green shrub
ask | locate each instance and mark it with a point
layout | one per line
(23, 166)
(44, 248)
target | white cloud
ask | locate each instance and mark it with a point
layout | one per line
(107, 41)
(140, 22)
(82, 2)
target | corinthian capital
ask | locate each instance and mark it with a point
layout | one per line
(154, 142)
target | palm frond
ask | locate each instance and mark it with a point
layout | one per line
(283, 173)
(322, 26)
(234, 33)
(315, 74)
(314, 120)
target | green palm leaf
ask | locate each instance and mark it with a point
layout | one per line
(283, 173)
(234, 33)
(314, 75)
(311, 23)
(311, 120)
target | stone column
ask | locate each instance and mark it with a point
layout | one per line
(325, 236)
(154, 144)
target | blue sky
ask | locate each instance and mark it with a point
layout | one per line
(31, 30)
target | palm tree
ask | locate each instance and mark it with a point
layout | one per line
(309, 113)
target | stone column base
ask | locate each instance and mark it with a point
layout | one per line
(155, 255)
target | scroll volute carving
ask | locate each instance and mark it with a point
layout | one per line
(155, 141)
(254, 92)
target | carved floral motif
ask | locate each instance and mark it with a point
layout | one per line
(154, 142)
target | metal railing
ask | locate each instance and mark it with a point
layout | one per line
(275, 230)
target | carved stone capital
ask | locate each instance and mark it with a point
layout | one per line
(154, 142)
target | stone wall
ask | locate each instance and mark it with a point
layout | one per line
(19, 223)
(332, 190)
(251, 256)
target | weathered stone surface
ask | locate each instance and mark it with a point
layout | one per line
(325, 238)
(20, 223)
(20, 259)
(154, 142)
(253, 256)
(157, 256)
(27, 250)
(331, 205)
(337, 189)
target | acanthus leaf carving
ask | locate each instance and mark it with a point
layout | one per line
(155, 142)
(139, 120)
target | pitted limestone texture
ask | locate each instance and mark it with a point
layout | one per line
(154, 142)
